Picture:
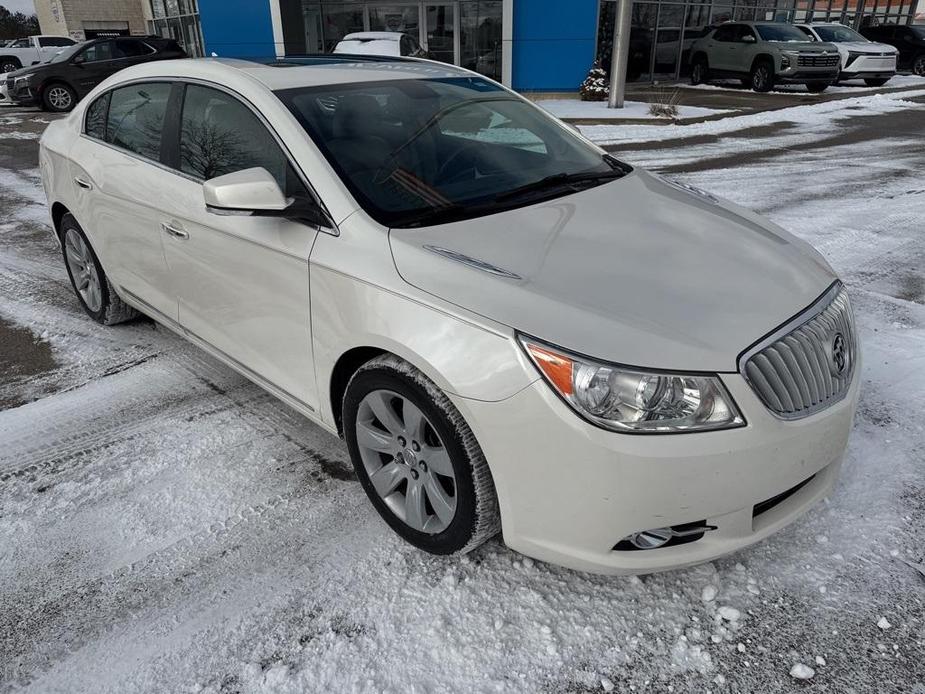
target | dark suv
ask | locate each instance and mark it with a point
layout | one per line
(70, 75)
(908, 40)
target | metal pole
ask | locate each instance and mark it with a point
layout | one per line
(621, 52)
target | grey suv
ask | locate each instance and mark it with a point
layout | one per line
(762, 54)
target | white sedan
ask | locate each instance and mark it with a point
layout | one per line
(511, 329)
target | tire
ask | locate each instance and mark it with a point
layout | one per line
(816, 87)
(762, 76)
(918, 65)
(876, 81)
(102, 304)
(9, 64)
(59, 97)
(388, 389)
(700, 70)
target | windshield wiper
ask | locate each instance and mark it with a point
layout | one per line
(561, 179)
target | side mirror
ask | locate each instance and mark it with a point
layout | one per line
(748, 38)
(255, 193)
(79, 59)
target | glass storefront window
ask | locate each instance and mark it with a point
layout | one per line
(178, 20)
(480, 37)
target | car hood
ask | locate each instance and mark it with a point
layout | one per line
(866, 47)
(637, 271)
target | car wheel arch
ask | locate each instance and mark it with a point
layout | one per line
(762, 58)
(58, 210)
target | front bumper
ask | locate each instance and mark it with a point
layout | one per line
(871, 67)
(804, 76)
(19, 93)
(570, 491)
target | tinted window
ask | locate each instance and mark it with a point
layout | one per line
(55, 41)
(410, 148)
(407, 48)
(136, 118)
(96, 117)
(725, 33)
(104, 50)
(742, 31)
(131, 48)
(220, 135)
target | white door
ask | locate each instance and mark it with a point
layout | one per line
(242, 282)
(113, 174)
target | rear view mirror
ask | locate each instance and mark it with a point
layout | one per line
(255, 193)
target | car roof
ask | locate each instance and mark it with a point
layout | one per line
(302, 71)
(374, 36)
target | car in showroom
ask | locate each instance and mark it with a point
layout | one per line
(385, 43)
(909, 40)
(74, 71)
(511, 329)
(861, 58)
(762, 55)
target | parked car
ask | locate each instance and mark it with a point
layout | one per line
(73, 72)
(763, 54)
(908, 40)
(511, 328)
(385, 43)
(861, 58)
(31, 51)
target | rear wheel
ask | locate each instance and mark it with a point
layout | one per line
(417, 459)
(59, 97)
(876, 81)
(8, 65)
(700, 71)
(93, 289)
(762, 76)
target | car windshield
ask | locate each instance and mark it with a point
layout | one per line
(420, 151)
(66, 53)
(780, 32)
(838, 34)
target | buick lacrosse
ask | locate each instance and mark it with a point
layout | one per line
(512, 330)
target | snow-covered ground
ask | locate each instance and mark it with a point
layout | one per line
(632, 110)
(167, 527)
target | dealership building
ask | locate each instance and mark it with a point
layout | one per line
(531, 45)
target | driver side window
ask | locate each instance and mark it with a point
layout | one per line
(99, 51)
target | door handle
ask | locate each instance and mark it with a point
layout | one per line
(86, 185)
(174, 231)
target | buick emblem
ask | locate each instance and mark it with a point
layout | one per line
(839, 354)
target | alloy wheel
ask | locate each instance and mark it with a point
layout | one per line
(407, 463)
(59, 98)
(918, 67)
(8, 67)
(83, 270)
(759, 78)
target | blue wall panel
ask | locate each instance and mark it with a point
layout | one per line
(237, 28)
(553, 43)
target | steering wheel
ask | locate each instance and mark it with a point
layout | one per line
(447, 166)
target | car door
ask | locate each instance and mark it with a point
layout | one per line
(118, 186)
(92, 65)
(722, 48)
(242, 282)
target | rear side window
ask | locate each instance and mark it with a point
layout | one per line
(55, 41)
(136, 118)
(99, 51)
(220, 135)
(725, 33)
(131, 48)
(95, 125)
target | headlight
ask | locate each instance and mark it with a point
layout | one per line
(633, 400)
(24, 78)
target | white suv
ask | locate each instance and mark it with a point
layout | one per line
(511, 329)
(861, 58)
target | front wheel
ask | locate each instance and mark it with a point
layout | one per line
(817, 87)
(918, 65)
(762, 77)
(8, 65)
(59, 98)
(93, 288)
(417, 459)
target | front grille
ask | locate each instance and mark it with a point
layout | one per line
(10, 83)
(808, 364)
(817, 60)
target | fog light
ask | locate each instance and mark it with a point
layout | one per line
(664, 537)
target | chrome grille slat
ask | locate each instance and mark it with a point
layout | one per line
(795, 371)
